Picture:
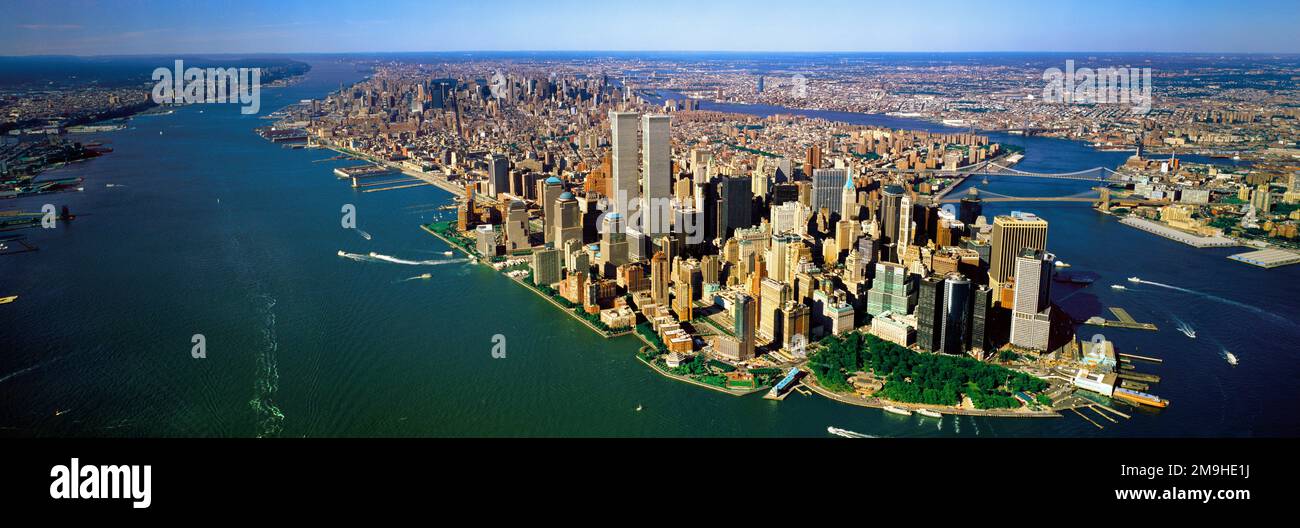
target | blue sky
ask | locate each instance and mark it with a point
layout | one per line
(183, 26)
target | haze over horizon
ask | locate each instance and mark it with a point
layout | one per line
(84, 27)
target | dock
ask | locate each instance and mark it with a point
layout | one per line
(1122, 320)
(1267, 258)
(1143, 358)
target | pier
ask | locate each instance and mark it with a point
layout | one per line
(1124, 320)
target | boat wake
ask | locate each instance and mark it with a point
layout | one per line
(1216, 298)
(845, 433)
(267, 379)
(421, 276)
(20, 372)
(1185, 328)
(376, 257)
(363, 234)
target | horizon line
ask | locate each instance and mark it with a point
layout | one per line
(624, 51)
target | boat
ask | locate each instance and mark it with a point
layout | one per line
(1232, 358)
(928, 412)
(1187, 331)
(9, 299)
(1118, 286)
(638, 408)
(1140, 398)
(447, 253)
(1061, 264)
(1134, 280)
(342, 254)
(897, 410)
(426, 275)
(846, 433)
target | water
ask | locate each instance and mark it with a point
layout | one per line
(211, 230)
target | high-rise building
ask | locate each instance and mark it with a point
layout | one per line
(828, 189)
(1031, 311)
(774, 296)
(626, 178)
(656, 171)
(893, 290)
(956, 314)
(904, 227)
(568, 220)
(659, 278)
(613, 244)
(517, 226)
(980, 314)
(971, 207)
(891, 205)
(498, 175)
(796, 322)
(1011, 234)
(929, 314)
(550, 193)
(849, 201)
(735, 205)
(744, 316)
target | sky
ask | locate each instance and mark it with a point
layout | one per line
(84, 27)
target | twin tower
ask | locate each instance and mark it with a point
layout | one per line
(641, 195)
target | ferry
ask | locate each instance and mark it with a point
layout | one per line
(1118, 286)
(1232, 358)
(897, 410)
(1143, 398)
(928, 412)
(1134, 280)
(9, 299)
(846, 433)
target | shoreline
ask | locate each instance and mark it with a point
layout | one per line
(876, 403)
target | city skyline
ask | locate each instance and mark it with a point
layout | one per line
(146, 27)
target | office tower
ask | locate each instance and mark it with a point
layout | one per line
(1031, 311)
(796, 322)
(659, 279)
(971, 207)
(710, 269)
(929, 314)
(904, 227)
(517, 227)
(546, 264)
(706, 203)
(828, 189)
(552, 188)
(778, 257)
(839, 315)
(683, 291)
(758, 89)
(774, 296)
(498, 175)
(613, 244)
(568, 221)
(735, 203)
(637, 243)
(576, 258)
(485, 240)
(1012, 233)
(656, 171)
(784, 193)
(980, 313)
(626, 179)
(744, 316)
(784, 171)
(956, 314)
(790, 217)
(893, 290)
(849, 201)
(891, 206)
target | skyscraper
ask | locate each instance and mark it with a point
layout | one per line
(891, 205)
(929, 314)
(828, 189)
(1031, 311)
(517, 226)
(744, 315)
(626, 187)
(735, 205)
(498, 175)
(774, 295)
(980, 314)
(552, 187)
(893, 290)
(568, 223)
(1012, 233)
(849, 201)
(956, 314)
(659, 270)
(656, 208)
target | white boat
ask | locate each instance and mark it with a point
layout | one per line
(846, 433)
(638, 408)
(341, 253)
(1118, 286)
(897, 410)
(1061, 264)
(1134, 280)
(1187, 331)
(448, 253)
(928, 412)
(1232, 358)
